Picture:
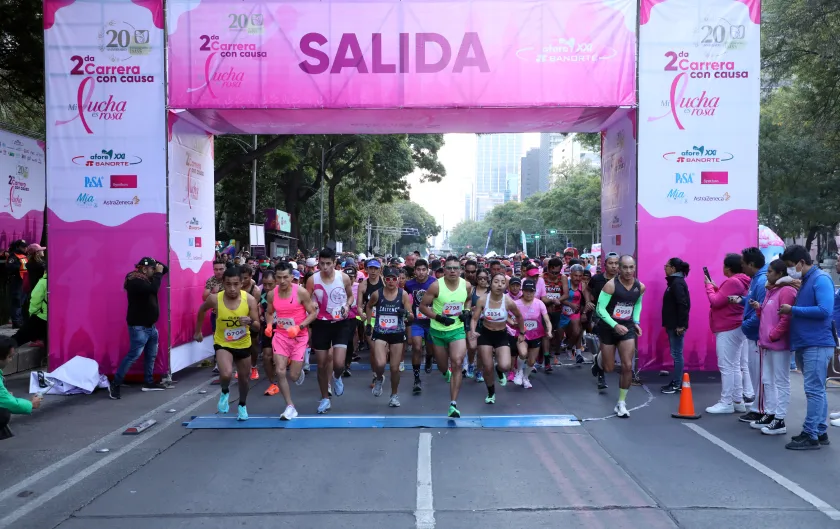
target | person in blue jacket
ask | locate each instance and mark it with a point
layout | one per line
(812, 340)
(752, 264)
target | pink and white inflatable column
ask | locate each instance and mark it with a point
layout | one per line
(106, 171)
(699, 65)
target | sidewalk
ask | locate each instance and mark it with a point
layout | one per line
(26, 356)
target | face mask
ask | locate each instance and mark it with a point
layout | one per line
(794, 273)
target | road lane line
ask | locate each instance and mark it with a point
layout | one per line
(425, 514)
(793, 487)
(40, 500)
(109, 438)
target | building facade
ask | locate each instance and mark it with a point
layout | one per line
(530, 174)
(497, 173)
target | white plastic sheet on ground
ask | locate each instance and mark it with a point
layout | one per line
(77, 376)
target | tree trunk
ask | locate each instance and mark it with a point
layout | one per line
(331, 205)
(812, 232)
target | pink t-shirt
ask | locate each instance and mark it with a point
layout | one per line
(533, 315)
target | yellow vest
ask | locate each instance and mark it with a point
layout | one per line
(229, 331)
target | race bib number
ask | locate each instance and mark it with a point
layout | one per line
(622, 311)
(452, 309)
(389, 321)
(553, 295)
(421, 316)
(235, 333)
(530, 325)
(336, 313)
(493, 315)
(285, 322)
(567, 310)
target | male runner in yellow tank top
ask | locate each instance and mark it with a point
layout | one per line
(236, 312)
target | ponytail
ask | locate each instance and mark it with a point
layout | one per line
(680, 265)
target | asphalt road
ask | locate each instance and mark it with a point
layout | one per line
(649, 471)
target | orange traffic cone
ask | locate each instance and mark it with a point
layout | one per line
(686, 410)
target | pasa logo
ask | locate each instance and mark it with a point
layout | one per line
(103, 110)
(680, 105)
(93, 181)
(193, 224)
(684, 178)
(85, 200)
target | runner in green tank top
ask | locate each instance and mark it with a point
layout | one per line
(446, 303)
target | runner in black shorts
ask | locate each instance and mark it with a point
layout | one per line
(619, 308)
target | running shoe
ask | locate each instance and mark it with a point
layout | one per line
(290, 413)
(823, 439)
(578, 357)
(323, 405)
(448, 375)
(721, 408)
(526, 383)
(114, 392)
(242, 413)
(329, 389)
(428, 365)
(517, 379)
(301, 378)
(373, 382)
(153, 387)
(740, 407)
(402, 366)
(272, 390)
(749, 400)
(356, 358)
(471, 371)
(596, 371)
(453, 412)
(834, 415)
(490, 399)
(394, 402)
(672, 387)
(216, 370)
(377, 386)
(803, 443)
(306, 367)
(346, 373)
(255, 374)
(224, 403)
(511, 376)
(479, 376)
(777, 427)
(602, 382)
(548, 369)
(502, 379)
(418, 387)
(621, 410)
(339, 386)
(751, 417)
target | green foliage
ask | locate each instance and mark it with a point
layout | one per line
(590, 140)
(413, 215)
(22, 66)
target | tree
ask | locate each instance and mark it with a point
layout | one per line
(22, 66)
(468, 235)
(574, 202)
(590, 140)
(415, 216)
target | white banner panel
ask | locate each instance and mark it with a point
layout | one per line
(23, 192)
(618, 186)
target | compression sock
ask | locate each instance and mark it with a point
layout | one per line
(416, 370)
(500, 373)
(225, 389)
(622, 394)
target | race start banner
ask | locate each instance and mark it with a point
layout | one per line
(699, 85)
(23, 194)
(192, 236)
(106, 167)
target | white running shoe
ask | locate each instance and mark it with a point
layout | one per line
(835, 422)
(402, 366)
(621, 410)
(517, 378)
(835, 415)
(301, 378)
(526, 383)
(377, 387)
(323, 405)
(290, 413)
(394, 402)
(338, 383)
(721, 408)
(740, 407)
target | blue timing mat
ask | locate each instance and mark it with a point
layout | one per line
(216, 422)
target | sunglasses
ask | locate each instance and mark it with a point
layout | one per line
(390, 278)
(453, 268)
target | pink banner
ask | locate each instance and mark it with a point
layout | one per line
(401, 54)
(106, 167)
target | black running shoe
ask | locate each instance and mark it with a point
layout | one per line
(823, 439)
(346, 373)
(596, 371)
(602, 382)
(803, 443)
(114, 393)
(428, 365)
(671, 388)
(752, 416)
(356, 358)
(418, 387)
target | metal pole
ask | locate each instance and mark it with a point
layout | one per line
(323, 174)
(367, 249)
(505, 250)
(254, 189)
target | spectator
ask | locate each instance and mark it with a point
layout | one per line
(676, 305)
(141, 286)
(18, 281)
(752, 263)
(725, 321)
(36, 264)
(774, 340)
(35, 327)
(812, 340)
(9, 404)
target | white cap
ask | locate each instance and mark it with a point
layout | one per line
(311, 262)
(362, 257)
(294, 264)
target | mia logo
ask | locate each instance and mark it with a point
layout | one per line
(85, 200)
(675, 195)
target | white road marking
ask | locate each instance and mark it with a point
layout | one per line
(64, 486)
(108, 439)
(640, 406)
(793, 487)
(425, 513)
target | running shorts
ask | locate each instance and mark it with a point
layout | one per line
(494, 339)
(532, 344)
(610, 337)
(238, 354)
(391, 339)
(326, 334)
(292, 348)
(422, 331)
(444, 338)
(558, 320)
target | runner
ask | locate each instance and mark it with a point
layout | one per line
(537, 326)
(449, 295)
(619, 308)
(250, 286)
(393, 307)
(556, 293)
(353, 347)
(237, 313)
(514, 292)
(332, 331)
(214, 285)
(268, 283)
(293, 310)
(372, 283)
(420, 328)
(572, 308)
(482, 287)
(494, 308)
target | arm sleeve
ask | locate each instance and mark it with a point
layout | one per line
(637, 309)
(824, 294)
(13, 404)
(603, 300)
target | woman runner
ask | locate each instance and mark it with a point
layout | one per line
(537, 326)
(482, 287)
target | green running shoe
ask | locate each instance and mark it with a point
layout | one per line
(448, 375)
(453, 412)
(490, 400)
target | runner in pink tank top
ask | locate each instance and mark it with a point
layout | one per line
(289, 311)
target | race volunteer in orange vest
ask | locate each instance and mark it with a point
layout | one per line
(18, 280)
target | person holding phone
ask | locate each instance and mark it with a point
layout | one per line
(9, 404)
(676, 305)
(725, 320)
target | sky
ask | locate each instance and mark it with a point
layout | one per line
(445, 200)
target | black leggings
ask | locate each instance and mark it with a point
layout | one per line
(5, 417)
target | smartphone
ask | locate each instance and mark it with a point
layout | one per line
(706, 271)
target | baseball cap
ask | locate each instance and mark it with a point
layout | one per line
(362, 257)
(529, 284)
(531, 272)
(374, 263)
(293, 265)
(147, 261)
(514, 281)
(311, 262)
(390, 271)
(35, 247)
(295, 274)
(349, 262)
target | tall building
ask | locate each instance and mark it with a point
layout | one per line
(571, 151)
(497, 172)
(530, 174)
(548, 141)
(468, 206)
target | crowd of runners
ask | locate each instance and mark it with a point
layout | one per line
(495, 321)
